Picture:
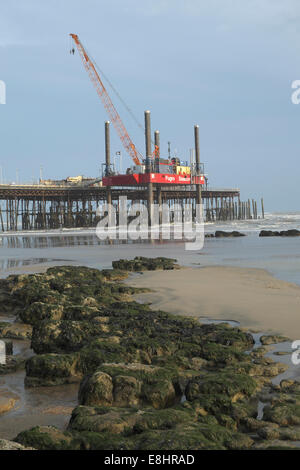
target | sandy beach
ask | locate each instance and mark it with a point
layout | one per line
(250, 296)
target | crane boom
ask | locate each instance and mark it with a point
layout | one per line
(108, 104)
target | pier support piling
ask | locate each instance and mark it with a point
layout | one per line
(148, 165)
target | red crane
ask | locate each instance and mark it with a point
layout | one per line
(108, 104)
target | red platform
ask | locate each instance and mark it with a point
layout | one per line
(144, 178)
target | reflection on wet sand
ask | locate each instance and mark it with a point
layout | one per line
(35, 406)
(61, 240)
(48, 241)
(10, 263)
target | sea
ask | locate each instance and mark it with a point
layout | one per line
(22, 251)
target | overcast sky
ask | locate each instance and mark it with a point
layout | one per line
(226, 65)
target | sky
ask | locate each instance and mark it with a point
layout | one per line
(226, 65)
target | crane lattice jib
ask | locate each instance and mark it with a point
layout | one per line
(108, 104)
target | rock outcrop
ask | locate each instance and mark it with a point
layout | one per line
(223, 234)
(234, 234)
(147, 379)
(282, 233)
(140, 263)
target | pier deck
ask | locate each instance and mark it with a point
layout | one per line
(99, 192)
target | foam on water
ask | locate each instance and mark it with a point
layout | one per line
(272, 221)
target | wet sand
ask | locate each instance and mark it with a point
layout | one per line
(253, 297)
(32, 406)
(35, 406)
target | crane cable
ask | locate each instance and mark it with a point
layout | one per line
(120, 98)
(118, 95)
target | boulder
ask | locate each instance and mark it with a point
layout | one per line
(290, 386)
(147, 429)
(254, 425)
(38, 311)
(52, 369)
(225, 384)
(10, 445)
(268, 432)
(141, 263)
(126, 390)
(46, 438)
(15, 330)
(233, 234)
(96, 389)
(272, 339)
(290, 233)
(269, 233)
(65, 336)
(283, 413)
(128, 385)
(159, 394)
(283, 233)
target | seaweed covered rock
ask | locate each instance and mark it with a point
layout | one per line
(10, 445)
(52, 369)
(290, 386)
(233, 234)
(64, 336)
(283, 406)
(130, 431)
(38, 311)
(15, 330)
(272, 339)
(216, 392)
(282, 233)
(46, 296)
(98, 428)
(148, 379)
(46, 438)
(129, 385)
(284, 413)
(224, 334)
(268, 432)
(96, 389)
(140, 263)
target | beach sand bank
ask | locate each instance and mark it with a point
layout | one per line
(250, 296)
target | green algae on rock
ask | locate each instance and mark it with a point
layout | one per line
(148, 379)
(272, 339)
(102, 428)
(140, 263)
(15, 330)
(11, 445)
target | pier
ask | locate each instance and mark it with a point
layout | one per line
(77, 202)
(36, 207)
